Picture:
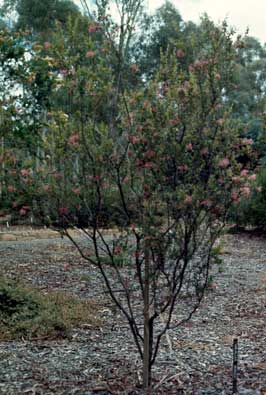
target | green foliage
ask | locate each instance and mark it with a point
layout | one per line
(14, 300)
(117, 260)
(248, 100)
(159, 32)
(75, 76)
(216, 253)
(29, 314)
(252, 211)
(40, 16)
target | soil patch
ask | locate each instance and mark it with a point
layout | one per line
(195, 359)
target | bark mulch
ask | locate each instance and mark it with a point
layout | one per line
(196, 359)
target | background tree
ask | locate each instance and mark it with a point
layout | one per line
(159, 32)
(248, 100)
(39, 16)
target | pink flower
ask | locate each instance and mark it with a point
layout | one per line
(252, 177)
(63, 210)
(47, 45)
(66, 266)
(72, 71)
(131, 117)
(117, 250)
(149, 154)
(57, 175)
(94, 178)
(126, 283)
(188, 200)
(134, 68)
(94, 28)
(220, 122)
(73, 139)
(134, 140)
(144, 140)
(25, 172)
(64, 72)
(244, 173)
(201, 63)
(189, 147)
(28, 181)
(259, 189)
(247, 141)
(213, 286)
(236, 180)
(182, 168)
(235, 196)
(149, 165)
(24, 210)
(198, 63)
(12, 172)
(147, 105)
(224, 163)
(245, 191)
(11, 189)
(186, 84)
(90, 54)
(174, 122)
(46, 188)
(76, 191)
(217, 77)
(146, 187)
(218, 106)
(180, 53)
(204, 151)
(139, 163)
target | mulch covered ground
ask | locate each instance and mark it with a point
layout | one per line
(196, 359)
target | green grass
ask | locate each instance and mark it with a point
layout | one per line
(27, 313)
(118, 260)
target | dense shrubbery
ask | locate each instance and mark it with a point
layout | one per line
(251, 211)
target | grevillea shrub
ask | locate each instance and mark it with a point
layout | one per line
(163, 157)
(251, 210)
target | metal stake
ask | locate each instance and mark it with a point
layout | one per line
(235, 363)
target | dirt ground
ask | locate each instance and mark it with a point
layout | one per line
(196, 359)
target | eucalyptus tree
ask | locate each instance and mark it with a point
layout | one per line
(39, 17)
